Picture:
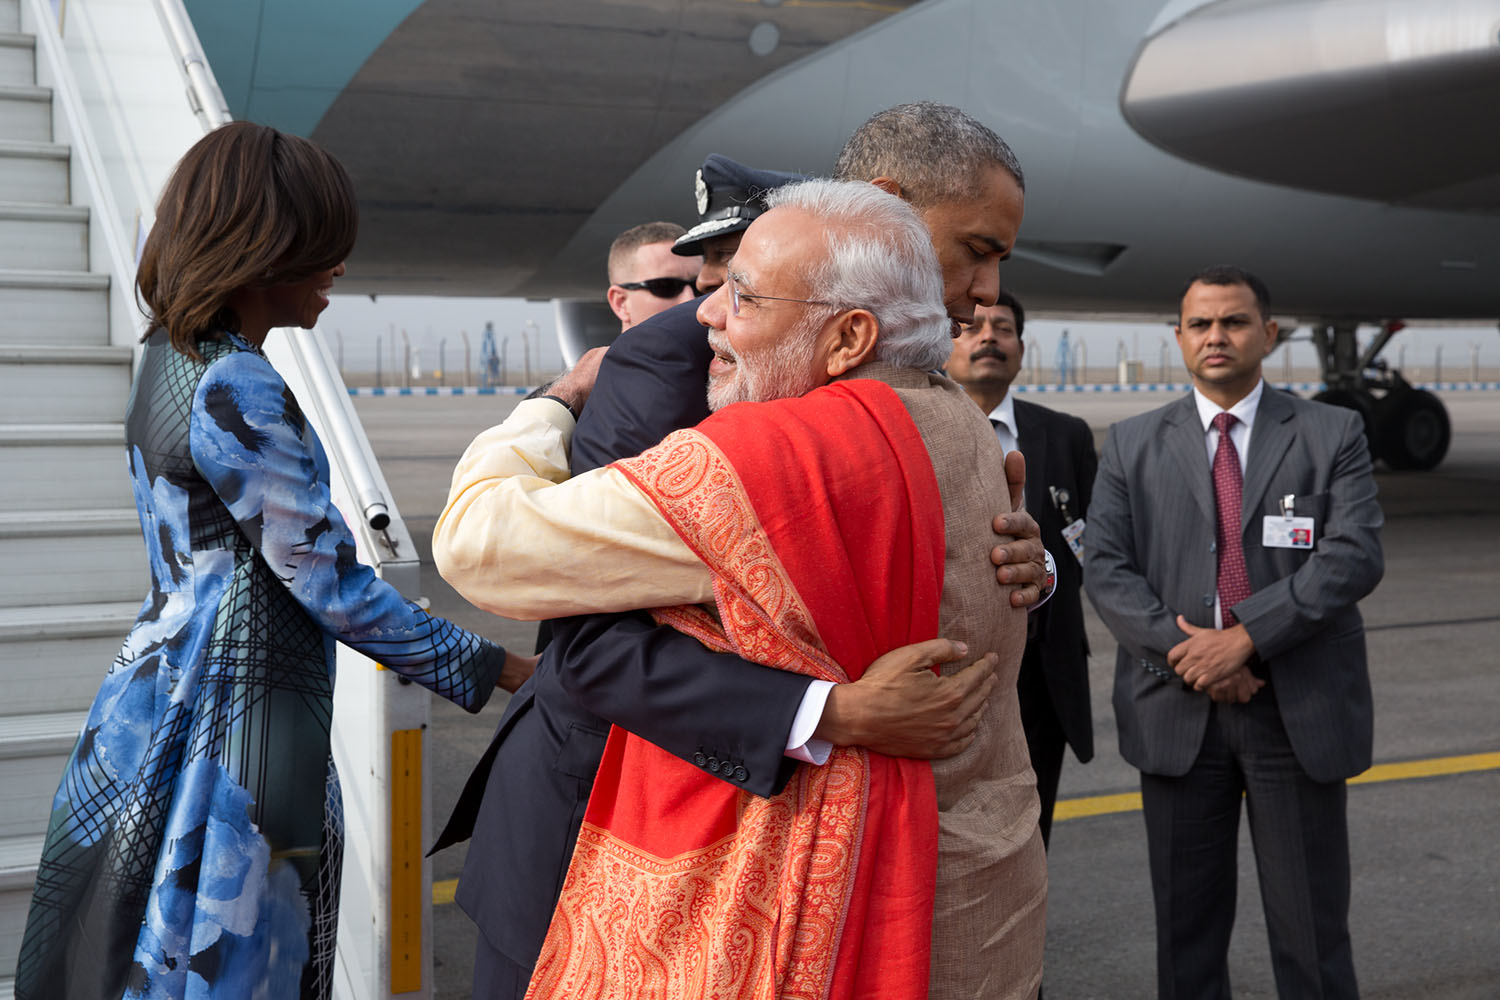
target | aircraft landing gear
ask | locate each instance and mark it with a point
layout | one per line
(1354, 399)
(1411, 426)
(1406, 427)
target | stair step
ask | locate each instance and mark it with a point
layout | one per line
(63, 467)
(18, 860)
(66, 651)
(33, 751)
(81, 556)
(49, 354)
(17, 58)
(43, 734)
(67, 621)
(55, 237)
(55, 384)
(26, 112)
(66, 308)
(34, 171)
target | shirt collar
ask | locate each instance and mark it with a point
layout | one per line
(1243, 411)
(1006, 414)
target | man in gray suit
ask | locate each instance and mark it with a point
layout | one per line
(1230, 535)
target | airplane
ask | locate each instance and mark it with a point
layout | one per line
(1338, 148)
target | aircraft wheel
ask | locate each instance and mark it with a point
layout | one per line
(1412, 428)
(1354, 399)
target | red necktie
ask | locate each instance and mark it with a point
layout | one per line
(1234, 579)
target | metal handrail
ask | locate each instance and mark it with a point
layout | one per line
(204, 95)
(328, 395)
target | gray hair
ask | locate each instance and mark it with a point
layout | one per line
(880, 258)
(934, 151)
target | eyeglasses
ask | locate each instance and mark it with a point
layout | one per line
(662, 288)
(735, 295)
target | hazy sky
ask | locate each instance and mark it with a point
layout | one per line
(359, 323)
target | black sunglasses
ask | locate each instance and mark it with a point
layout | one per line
(662, 288)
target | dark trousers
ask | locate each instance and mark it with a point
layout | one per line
(1044, 736)
(1299, 830)
(496, 977)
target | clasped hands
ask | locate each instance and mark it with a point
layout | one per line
(1216, 661)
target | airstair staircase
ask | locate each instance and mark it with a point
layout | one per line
(127, 91)
(70, 546)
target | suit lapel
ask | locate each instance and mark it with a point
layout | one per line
(1184, 441)
(1270, 437)
(1031, 433)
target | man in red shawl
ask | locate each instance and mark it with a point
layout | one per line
(845, 513)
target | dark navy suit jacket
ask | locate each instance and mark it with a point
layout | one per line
(525, 800)
(1059, 450)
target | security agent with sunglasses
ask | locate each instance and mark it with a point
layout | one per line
(646, 275)
(525, 800)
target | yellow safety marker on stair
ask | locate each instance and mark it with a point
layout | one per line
(406, 860)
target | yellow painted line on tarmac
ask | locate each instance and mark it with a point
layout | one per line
(1429, 768)
(1096, 805)
(1103, 805)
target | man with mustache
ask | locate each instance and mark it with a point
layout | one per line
(823, 529)
(1060, 464)
(1230, 536)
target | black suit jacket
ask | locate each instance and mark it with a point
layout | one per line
(525, 800)
(1059, 451)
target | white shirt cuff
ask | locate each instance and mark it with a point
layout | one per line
(800, 744)
(1052, 572)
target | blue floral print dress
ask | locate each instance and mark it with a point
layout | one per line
(195, 843)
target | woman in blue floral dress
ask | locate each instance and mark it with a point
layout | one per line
(195, 843)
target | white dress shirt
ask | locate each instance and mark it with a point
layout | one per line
(1003, 417)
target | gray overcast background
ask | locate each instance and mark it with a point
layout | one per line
(435, 328)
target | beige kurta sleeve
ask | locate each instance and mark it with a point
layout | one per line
(519, 538)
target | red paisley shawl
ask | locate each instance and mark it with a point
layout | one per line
(821, 521)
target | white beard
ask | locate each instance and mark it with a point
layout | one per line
(785, 370)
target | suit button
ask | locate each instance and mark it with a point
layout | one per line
(740, 774)
(700, 760)
(1213, 546)
(1208, 600)
(713, 764)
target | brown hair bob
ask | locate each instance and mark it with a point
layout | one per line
(246, 207)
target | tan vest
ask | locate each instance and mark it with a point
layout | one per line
(990, 919)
